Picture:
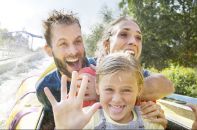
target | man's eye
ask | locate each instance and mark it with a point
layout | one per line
(78, 42)
(63, 44)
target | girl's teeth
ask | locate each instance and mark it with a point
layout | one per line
(116, 109)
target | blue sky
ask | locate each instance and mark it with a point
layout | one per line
(16, 15)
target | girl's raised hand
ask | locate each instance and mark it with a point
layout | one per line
(68, 113)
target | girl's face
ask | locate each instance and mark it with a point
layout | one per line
(118, 92)
(126, 37)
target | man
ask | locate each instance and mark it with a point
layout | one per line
(65, 45)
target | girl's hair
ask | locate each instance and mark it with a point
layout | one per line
(117, 62)
(107, 33)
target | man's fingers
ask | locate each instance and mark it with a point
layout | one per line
(50, 96)
(73, 85)
(82, 88)
(63, 87)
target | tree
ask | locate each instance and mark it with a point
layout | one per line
(92, 39)
(169, 30)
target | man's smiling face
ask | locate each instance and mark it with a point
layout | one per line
(67, 48)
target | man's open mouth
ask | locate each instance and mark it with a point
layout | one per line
(74, 63)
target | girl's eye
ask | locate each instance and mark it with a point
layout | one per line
(108, 89)
(126, 90)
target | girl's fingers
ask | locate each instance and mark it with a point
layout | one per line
(93, 109)
(50, 96)
(63, 87)
(73, 85)
(82, 88)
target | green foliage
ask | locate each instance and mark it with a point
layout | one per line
(169, 31)
(92, 39)
(184, 79)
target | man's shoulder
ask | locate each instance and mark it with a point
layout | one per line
(51, 79)
(92, 60)
(146, 73)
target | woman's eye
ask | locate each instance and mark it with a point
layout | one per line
(123, 34)
(139, 38)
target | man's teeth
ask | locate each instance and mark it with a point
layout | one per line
(72, 60)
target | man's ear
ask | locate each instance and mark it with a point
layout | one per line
(48, 50)
(97, 89)
(106, 45)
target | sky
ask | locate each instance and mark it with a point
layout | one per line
(16, 15)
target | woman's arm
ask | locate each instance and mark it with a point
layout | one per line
(194, 109)
(156, 86)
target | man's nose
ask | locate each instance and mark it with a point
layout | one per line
(72, 50)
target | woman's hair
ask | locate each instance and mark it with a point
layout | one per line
(107, 33)
(118, 62)
(58, 17)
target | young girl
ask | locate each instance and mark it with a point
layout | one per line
(119, 85)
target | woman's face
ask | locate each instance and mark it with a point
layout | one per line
(126, 36)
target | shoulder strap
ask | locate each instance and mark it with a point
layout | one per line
(102, 123)
(139, 117)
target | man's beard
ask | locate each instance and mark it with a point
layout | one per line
(62, 65)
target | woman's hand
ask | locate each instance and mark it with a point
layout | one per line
(68, 113)
(153, 112)
(194, 109)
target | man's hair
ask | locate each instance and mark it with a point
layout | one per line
(58, 17)
(118, 62)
